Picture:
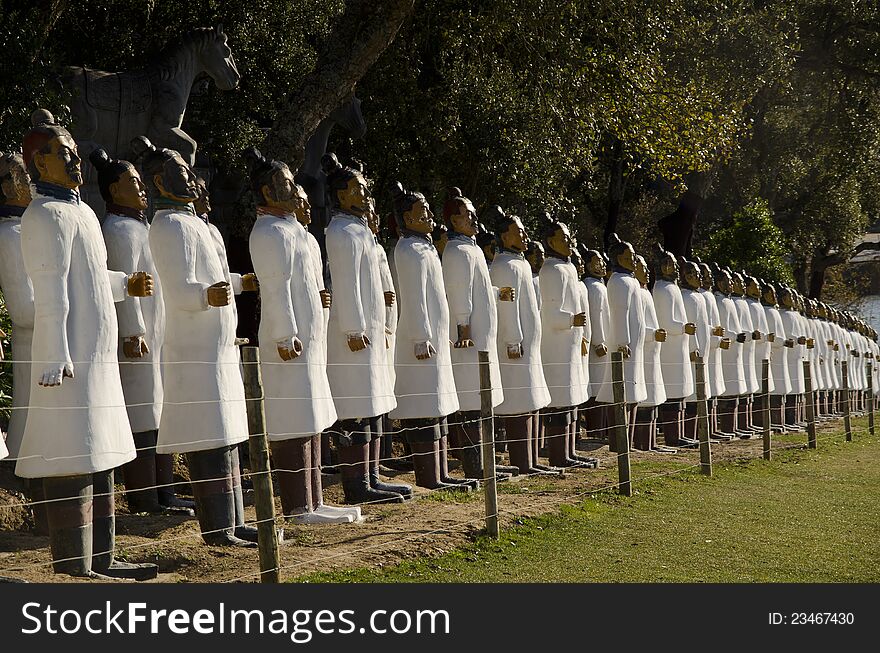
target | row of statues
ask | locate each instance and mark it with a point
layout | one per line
(125, 351)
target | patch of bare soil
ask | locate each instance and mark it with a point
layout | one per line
(428, 525)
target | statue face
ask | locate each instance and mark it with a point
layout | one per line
(627, 258)
(536, 257)
(723, 283)
(419, 218)
(489, 251)
(708, 280)
(515, 237)
(302, 210)
(770, 296)
(17, 186)
(202, 203)
(578, 262)
(180, 183)
(596, 267)
(129, 190)
(669, 267)
(754, 290)
(353, 198)
(372, 216)
(465, 220)
(737, 285)
(61, 165)
(692, 276)
(561, 240)
(641, 271)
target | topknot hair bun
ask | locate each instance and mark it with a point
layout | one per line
(141, 146)
(100, 159)
(42, 118)
(330, 164)
(254, 158)
(452, 192)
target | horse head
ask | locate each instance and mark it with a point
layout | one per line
(348, 116)
(216, 58)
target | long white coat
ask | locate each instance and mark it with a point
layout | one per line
(732, 358)
(561, 300)
(128, 250)
(81, 427)
(298, 399)
(793, 329)
(675, 353)
(19, 297)
(204, 394)
(536, 281)
(519, 322)
(587, 333)
(753, 384)
(627, 328)
(762, 348)
(654, 386)
(359, 380)
(714, 375)
(695, 310)
(816, 355)
(391, 313)
(472, 300)
(600, 330)
(778, 352)
(424, 388)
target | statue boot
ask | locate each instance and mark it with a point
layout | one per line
(442, 447)
(242, 530)
(141, 492)
(557, 426)
(104, 535)
(424, 440)
(471, 454)
(519, 436)
(37, 496)
(572, 440)
(354, 464)
(212, 483)
(727, 411)
(69, 517)
(375, 482)
(168, 499)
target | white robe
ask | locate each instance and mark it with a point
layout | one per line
(80, 427)
(817, 355)
(519, 322)
(778, 352)
(472, 300)
(753, 383)
(695, 310)
(204, 394)
(654, 386)
(298, 399)
(627, 328)
(732, 358)
(19, 297)
(600, 329)
(561, 300)
(714, 375)
(675, 353)
(791, 324)
(391, 313)
(536, 281)
(424, 388)
(762, 347)
(128, 250)
(359, 380)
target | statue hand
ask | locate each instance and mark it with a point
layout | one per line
(625, 350)
(464, 337)
(811, 343)
(601, 350)
(741, 337)
(220, 294)
(514, 351)
(358, 342)
(802, 340)
(789, 343)
(771, 337)
(424, 350)
(690, 328)
(326, 298)
(585, 347)
(660, 335)
(725, 343)
(140, 284)
(54, 373)
(289, 348)
(135, 347)
(389, 336)
(756, 335)
(579, 320)
(695, 354)
(390, 297)
(249, 282)
(506, 294)
(718, 331)
(836, 347)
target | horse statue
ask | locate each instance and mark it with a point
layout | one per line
(109, 109)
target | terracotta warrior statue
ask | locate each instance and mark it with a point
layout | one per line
(536, 256)
(293, 341)
(794, 330)
(696, 313)
(207, 418)
(779, 350)
(15, 195)
(487, 242)
(563, 318)
(762, 349)
(745, 423)
(732, 357)
(356, 337)
(473, 323)
(597, 415)
(675, 355)
(77, 430)
(718, 343)
(519, 344)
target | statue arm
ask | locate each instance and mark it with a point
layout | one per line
(174, 253)
(458, 277)
(271, 263)
(509, 326)
(552, 292)
(121, 256)
(413, 279)
(346, 256)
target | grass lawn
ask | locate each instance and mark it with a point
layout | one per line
(806, 516)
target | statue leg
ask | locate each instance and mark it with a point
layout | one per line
(37, 495)
(354, 464)
(338, 514)
(375, 425)
(727, 416)
(168, 498)
(557, 425)
(290, 460)
(69, 515)
(242, 530)
(141, 492)
(791, 412)
(467, 425)
(104, 535)
(573, 433)
(642, 429)
(212, 483)
(519, 431)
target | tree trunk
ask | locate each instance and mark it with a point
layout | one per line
(360, 35)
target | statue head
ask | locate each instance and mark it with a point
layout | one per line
(165, 171)
(119, 181)
(665, 265)
(216, 57)
(509, 230)
(706, 274)
(202, 204)
(723, 282)
(440, 236)
(768, 297)
(641, 272)
(373, 221)
(753, 288)
(15, 183)
(556, 236)
(411, 210)
(738, 286)
(786, 297)
(578, 261)
(346, 186)
(50, 153)
(487, 242)
(595, 263)
(273, 186)
(535, 255)
(459, 213)
(690, 274)
(621, 253)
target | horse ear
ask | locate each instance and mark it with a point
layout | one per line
(219, 28)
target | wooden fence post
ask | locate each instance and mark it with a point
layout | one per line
(264, 497)
(811, 405)
(871, 397)
(847, 423)
(487, 439)
(621, 425)
(703, 417)
(765, 407)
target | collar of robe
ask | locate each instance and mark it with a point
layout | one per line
(619, 269)
(166, 203)
(58, 192)
(9, 211)
(271, 210)
(349, 216)
(129, 212)
(552, 253)
(409, 233)
(512, 252)
(457, 236)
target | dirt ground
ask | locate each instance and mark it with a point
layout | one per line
(428, 525)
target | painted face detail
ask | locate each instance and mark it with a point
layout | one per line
(202, 203)
(597, 267)
(419, 218)
(515, 237)
(669, 267)
(465, 220)
(16, 186)
(561, 240)
(129, 190)
(61, 165)
(627, 258)
(302, 210)
(353, 198)
(179, 182)
(641, 271)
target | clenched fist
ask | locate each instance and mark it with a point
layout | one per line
(135, 347)
(464, 337)
(660, 335)
(326, 298)
(506, 294)
(140, 284)
(514, 351)
(579, 320)
(725, 343)
(601, 350)
(289, 348)
(424, 350)
(220, 294)
(690, 328)
(718, 331)
(358, 342)
(389, 298)
(249, 282)
(625, 350)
